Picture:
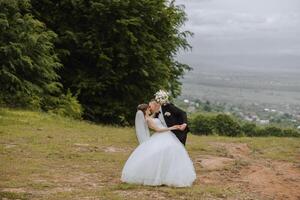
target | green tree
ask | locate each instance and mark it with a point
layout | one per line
(28, 62)
(270, 131)
(249, 129)
(207, 106)
(291, 133)
(116, 54)
(226, 125)
(202, 124)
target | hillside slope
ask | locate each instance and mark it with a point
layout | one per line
(49, 157)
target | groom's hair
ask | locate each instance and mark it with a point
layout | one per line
(153, 100)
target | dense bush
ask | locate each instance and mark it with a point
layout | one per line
(66, 105)
(291, 133)
(249, 129)
(269, 131)
(221, 124)
(276, 131)
(202, 124)
(226, 125)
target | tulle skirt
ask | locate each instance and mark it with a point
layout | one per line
(162, 160)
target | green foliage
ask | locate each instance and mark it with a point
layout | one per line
(222, 124)
(269, 131)
(226, 125)
(66, 105)
(116, 54)
(276, 131)
(249, 129)
(290, 133)
(202, 124)
(207, 107)
(28, 63)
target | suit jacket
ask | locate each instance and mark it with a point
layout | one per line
(176, 117)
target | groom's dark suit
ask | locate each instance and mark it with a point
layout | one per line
(175, 116)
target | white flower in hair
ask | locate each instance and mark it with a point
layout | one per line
(161, 97)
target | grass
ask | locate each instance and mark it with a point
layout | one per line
(45, 156)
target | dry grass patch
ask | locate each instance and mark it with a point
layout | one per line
(49, 157)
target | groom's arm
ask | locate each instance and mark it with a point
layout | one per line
(179, 113)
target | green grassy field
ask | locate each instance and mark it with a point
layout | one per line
(45, 156)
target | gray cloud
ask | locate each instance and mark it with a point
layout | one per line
(246, 26)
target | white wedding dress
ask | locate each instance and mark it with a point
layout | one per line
(161, 160)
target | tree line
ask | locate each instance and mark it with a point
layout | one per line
(95, 59)
(227, 125)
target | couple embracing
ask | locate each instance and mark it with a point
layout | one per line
(160, 159)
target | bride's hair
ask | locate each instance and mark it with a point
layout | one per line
(143, 107)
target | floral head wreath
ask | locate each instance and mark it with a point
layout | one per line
(161, 97)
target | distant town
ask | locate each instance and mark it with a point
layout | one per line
(261, 114)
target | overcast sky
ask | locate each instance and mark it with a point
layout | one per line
(234, 28)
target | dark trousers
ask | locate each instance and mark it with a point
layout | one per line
(181, 137)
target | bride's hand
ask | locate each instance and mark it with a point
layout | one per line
(175, 127)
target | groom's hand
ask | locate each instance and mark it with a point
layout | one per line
(182, 127)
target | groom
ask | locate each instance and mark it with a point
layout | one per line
(170, 115)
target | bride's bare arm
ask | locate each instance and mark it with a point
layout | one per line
(152, 126)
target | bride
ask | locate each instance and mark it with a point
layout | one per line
(160, 159)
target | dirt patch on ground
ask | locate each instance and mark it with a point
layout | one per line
(90, 148)
(213, 162)
(59, 183)
(234, 150)
(275, 180)
(266, 178)
(85, 147)
(9, 146)
(142, 194)
(14, 190)
(115, 149)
